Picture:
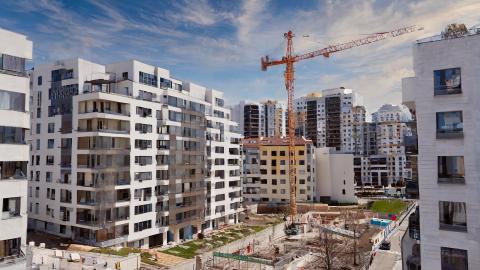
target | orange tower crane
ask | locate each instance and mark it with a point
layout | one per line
(288, 60)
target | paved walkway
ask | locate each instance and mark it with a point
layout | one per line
(169, 260)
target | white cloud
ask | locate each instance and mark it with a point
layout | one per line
(184, 36)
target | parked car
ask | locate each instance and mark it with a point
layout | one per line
(385, 245)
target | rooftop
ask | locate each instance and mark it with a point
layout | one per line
(272, 141)
(452, 32)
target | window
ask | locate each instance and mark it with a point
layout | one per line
(453, 258)
(143, 160)
(343, 191)
(449, 124)
(140, 226)
(141, 209)
(51, 127)
(50, 160)
(51, 143)
(148, 79)
(163, 144)
(274, 153)
(162, 175)
(48, 177)
(165, 83)
(143, 128)
(38, 128)
(283, 181)
(143, 144)
(301, 152)
(12, 101)
(274, 182)
(12, 63)
(39, 80)
(447, 81)
(283, 162)
(12, 135)
(144, 112)
(282, 153)
(451, 169)
(144, 95)
(13, 169)
(143, 176)
(453, 216)
(125, 75)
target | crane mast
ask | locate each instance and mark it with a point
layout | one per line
(288, 60)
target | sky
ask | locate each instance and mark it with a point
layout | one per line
(218, 44)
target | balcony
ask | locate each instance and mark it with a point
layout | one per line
(105, 86)
(414, 224)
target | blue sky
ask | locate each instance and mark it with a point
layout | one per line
(218, 44)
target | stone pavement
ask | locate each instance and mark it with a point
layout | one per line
(169, 260)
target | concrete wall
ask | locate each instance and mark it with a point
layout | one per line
(334, 176)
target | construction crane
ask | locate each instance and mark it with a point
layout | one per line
(288, 60)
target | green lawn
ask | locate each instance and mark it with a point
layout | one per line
(189, 249)
(388, 206)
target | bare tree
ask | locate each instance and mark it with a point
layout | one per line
(329, 250)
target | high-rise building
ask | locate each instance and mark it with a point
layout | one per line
(382, 159)
(328, 119)
(444, 96)
(14, 124)
(119, 155)
(261, 119)
(265, 170)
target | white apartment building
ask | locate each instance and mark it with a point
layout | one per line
(261, 119)
(328, 118)
(224, 199)
(119, 154)
(444, 95)
(14, 124)
(334, 176)
(265, 170)
(392, 128)
(386, 164)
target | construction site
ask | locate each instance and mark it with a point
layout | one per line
(322, 236)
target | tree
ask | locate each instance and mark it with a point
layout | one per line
(328, 250)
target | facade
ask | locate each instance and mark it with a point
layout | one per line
(265, 170)
(119, 154)
(261, 119)
(334, 175)
(444, 96)
(329, 118)
(382, 159)
(14, 124)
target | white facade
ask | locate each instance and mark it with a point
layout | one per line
(334, 176)
(446, 80)
(119, 153)
(14, 125)
(224, 200)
